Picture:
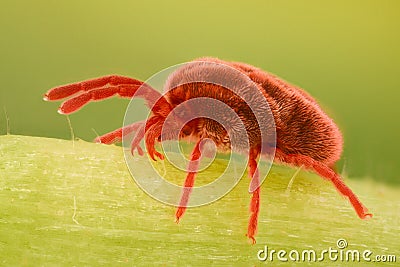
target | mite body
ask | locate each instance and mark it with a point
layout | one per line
(305, 135)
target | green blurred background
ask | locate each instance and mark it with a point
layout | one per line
(345, 53)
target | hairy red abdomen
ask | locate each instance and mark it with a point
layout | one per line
(302, 126)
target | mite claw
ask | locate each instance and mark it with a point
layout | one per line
(367, 216)
(133, 151)
(364, 214)
(155, 154)
(140, 151)
(253, 240)
(160, 156)
(179, 213)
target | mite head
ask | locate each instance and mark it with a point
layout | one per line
(198, 113)
(197, 118)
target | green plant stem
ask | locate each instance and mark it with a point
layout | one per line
(78, 205)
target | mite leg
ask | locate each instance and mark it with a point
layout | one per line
(192, 170)
(328, 174)
(255, 199)
(153, 132)
(68, 90)
(116, 135)
(105, 87)
(126, 91)
(142, 129)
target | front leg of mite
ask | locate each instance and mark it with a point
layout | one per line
(255, 199)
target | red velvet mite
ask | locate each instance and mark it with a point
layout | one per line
(305, 135)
